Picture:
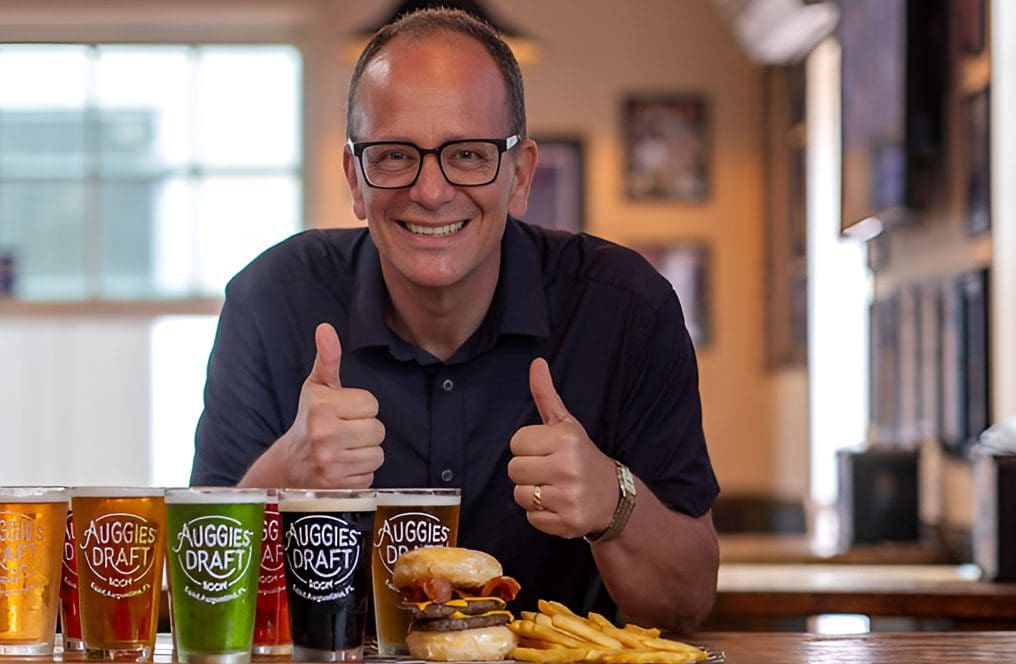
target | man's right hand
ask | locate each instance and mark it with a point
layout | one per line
(335, 440)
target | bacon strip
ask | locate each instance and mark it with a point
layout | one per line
(438, 589)
(504, 587)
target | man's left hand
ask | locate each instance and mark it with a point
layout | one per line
(567, 486)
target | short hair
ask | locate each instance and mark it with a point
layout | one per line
(429, 22)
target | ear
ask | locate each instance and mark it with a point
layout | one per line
(525, 156)
(351, 168)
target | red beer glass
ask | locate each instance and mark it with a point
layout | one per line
(70, 618)
(271, 618)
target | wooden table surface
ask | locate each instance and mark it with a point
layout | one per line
(873, 648)
(931, 591)
(794, 648)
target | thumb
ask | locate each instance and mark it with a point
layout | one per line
(329, 351)
(547, 400)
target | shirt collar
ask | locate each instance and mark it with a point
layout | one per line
(519, 305)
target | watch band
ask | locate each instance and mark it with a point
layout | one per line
(625, 504)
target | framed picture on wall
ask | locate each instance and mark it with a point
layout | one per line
(557, 197)
(666, 147)
(686, 266)
(977, 109)
(931, 359)
(969, 22)
(952, 414)
(973, 288)
(884, 360)
(911, 394)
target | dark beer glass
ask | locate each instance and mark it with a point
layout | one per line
(326, 542)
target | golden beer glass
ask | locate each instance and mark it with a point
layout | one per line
(31, 552)
(406, 519)
(120, 534)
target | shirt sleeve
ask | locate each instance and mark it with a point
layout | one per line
(660, 433)
(241, 414)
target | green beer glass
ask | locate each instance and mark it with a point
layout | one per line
(214, 551)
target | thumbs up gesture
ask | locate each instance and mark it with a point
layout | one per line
(567, 486)
(335, 440)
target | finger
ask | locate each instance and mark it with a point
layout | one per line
(525, 496)
(529, 470)
(547, 400)
(329, 352)
(531, 440)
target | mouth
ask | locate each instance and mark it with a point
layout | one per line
(447, 229)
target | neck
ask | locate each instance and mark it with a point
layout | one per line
(440, 320)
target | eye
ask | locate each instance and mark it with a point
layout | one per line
(391, 157)
(393, 154)
(466, 154)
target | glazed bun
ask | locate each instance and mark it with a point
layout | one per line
(481, 644)
(465, 568)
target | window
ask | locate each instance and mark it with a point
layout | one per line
(131, 172)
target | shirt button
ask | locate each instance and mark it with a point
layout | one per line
(446, 474)
(448, 385)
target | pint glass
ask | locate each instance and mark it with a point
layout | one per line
(271, 617)
(70, 620)
(31, 540)
(406, 519)
(326, 540)
(213, 547)
(120, 535)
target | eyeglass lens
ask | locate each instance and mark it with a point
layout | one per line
(463, 163)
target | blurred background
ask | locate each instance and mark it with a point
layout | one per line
(815, 178)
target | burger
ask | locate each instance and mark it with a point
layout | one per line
(457, 600)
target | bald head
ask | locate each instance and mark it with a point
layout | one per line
(440, 24)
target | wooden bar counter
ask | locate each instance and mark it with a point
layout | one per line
(794, 648)
(948, 592)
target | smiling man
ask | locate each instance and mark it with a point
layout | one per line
(549, 376)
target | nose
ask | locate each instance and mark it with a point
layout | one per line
(431, 190)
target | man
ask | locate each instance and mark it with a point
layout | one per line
(417, 353)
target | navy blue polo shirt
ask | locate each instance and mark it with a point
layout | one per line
(609, 325)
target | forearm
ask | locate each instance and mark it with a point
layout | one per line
(661, 569)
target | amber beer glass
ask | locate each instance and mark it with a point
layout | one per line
(406, 519)
(31, 550)
(120, 535)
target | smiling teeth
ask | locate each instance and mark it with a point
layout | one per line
(435, 230)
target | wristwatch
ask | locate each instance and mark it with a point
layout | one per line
(625, 504)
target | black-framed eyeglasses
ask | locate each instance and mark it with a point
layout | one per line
(467, 162)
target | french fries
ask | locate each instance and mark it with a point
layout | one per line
(556, 635)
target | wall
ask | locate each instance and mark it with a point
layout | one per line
(595, 51)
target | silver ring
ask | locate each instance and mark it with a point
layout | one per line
(538, 497)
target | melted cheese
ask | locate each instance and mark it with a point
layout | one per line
(461, 602)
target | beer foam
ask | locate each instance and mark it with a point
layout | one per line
(31, 494)
(117, 492)
(394, 498)
(215, 496)
(328, 504)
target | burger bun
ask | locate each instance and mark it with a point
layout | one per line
(465, 568)
(485, 644)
